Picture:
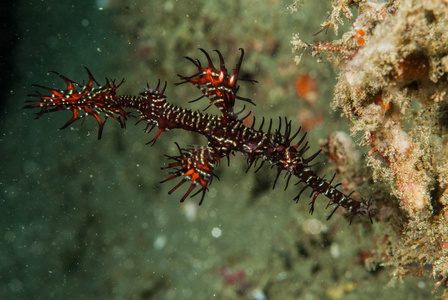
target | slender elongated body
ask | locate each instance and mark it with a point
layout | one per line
(225, 133)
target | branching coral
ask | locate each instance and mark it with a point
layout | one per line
(392, 85)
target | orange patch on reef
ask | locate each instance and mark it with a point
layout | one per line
(415, 66)
(248, 121)
(308, 119)
(306, 87)
(359, 37)
(444, 245)
(378, 99)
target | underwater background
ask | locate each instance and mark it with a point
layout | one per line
(83, 218)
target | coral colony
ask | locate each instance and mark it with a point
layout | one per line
(225, 134)
(392, 85)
